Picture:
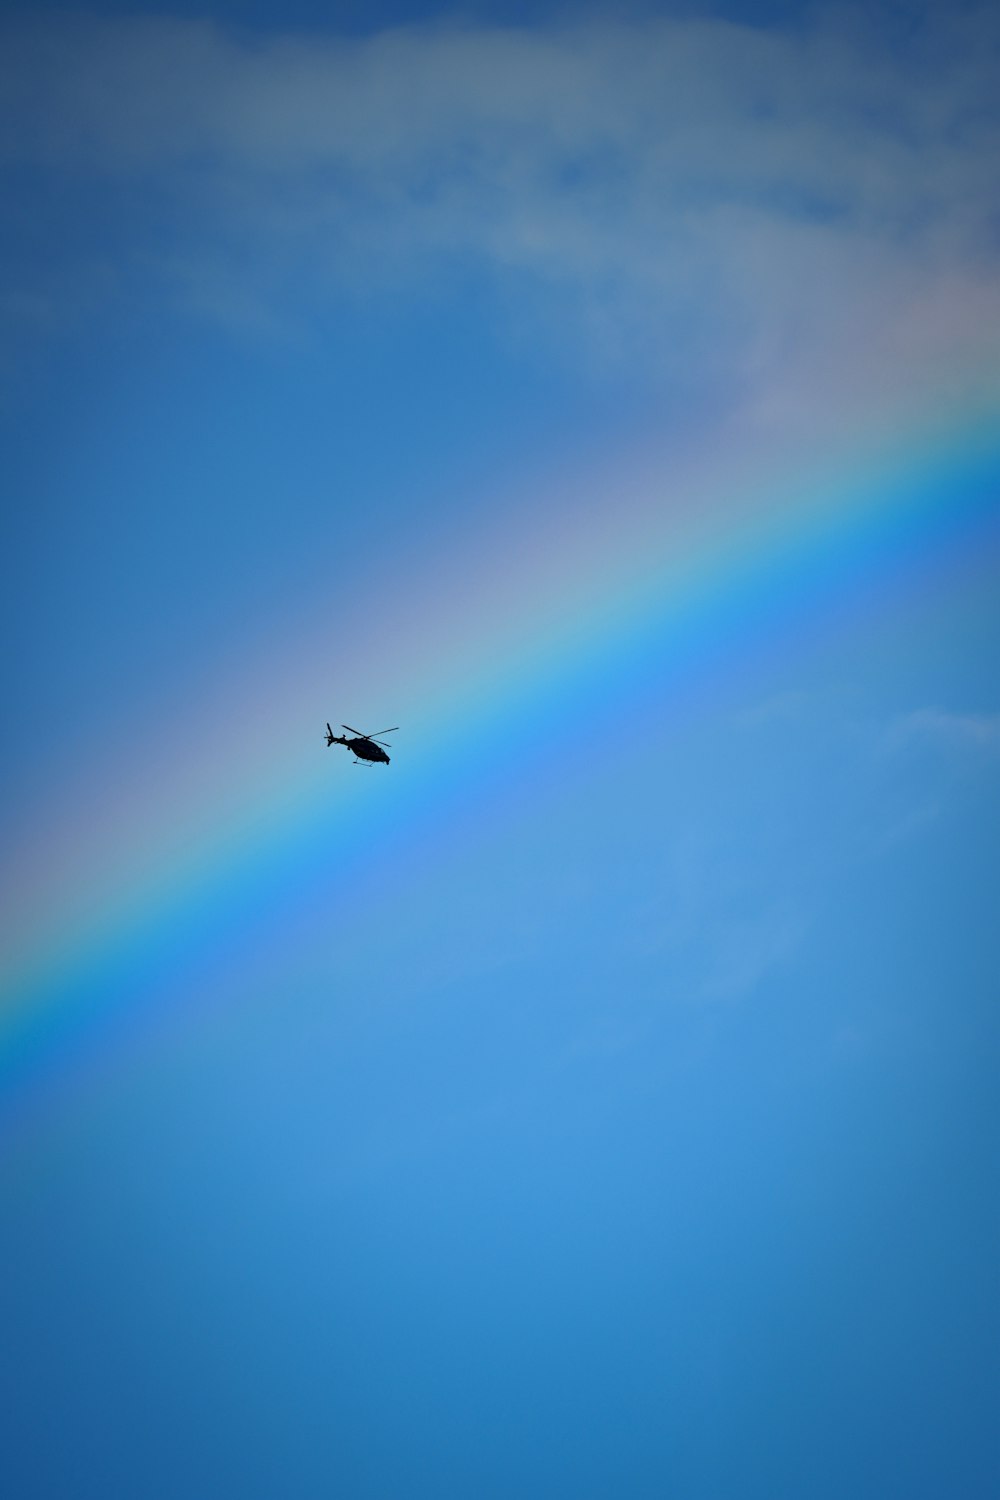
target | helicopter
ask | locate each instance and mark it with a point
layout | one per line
(364, 746)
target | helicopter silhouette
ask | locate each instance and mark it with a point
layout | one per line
(364, 746)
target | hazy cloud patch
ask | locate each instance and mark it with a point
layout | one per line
(742, 195)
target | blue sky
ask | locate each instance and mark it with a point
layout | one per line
(599, 1101)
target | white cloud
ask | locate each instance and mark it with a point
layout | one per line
(743, 198)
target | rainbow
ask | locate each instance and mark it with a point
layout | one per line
(692, 565)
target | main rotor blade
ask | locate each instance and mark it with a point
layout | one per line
(384, 731)
(370, 736)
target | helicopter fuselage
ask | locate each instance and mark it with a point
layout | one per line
(365, 749)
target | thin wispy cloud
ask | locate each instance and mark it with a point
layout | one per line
(930, 753)
(946, 730)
